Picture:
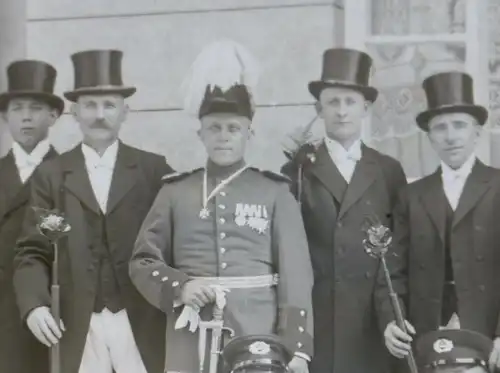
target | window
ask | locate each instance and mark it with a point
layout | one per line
(410, 40)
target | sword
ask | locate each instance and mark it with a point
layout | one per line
(216, 325)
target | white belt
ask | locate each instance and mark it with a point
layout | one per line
(242, 282)
(190, 316)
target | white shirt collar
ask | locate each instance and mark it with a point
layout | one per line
(462, 172)
(24, 159)
(107, 160)
(339, 152)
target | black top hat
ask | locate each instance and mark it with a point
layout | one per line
(98, 72)
(257, 353)
(30, 78)
(236, 100)
(347, 68)
(452, 347)
(450, 92)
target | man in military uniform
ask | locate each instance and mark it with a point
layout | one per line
(29, 108)
(227, 226)
(105, 189)
(446, 235)
(453, 351)
(341, 183)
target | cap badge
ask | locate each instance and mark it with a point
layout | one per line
(443, 345)
(259, 348)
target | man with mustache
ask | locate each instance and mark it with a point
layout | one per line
(105, 189)
(29, 108)
(446, 236)
(226, 227)
(342, 182)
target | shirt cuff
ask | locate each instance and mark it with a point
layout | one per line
(303, 356)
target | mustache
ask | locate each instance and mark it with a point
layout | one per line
(99, 123)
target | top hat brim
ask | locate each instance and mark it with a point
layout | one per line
(477, 111)
(124, 91)
(317, 86)
(52, 100)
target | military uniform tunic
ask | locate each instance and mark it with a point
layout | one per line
(254, 228)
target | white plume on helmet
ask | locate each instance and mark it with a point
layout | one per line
(223, 63)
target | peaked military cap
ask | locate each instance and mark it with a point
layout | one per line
(256, 353)
(452, 347)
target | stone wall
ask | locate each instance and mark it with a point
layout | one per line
(160, 39)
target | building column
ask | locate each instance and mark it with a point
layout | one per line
(13, 18)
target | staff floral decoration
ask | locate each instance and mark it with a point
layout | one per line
(376, 242)
(53, 225)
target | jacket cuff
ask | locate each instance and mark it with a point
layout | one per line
(171, 285)
(293, 331)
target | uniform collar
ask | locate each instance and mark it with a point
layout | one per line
(214, 170)
(107, 160)
(34, 158)
(462, 172)
(337, 151)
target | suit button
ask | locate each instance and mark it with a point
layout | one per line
(482, 287)
(368, 202)
(421, 266)
(368, 275)
(480, 258)
(478, 228)
(340, 224)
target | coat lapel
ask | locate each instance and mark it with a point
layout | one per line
(327, 172)
(475, 186)
(16, 193)
(124, 176)
(434, 201)
(364, 175)
(76, 179)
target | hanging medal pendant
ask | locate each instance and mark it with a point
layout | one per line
(204, 213)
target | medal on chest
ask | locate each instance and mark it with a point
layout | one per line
(205, 212)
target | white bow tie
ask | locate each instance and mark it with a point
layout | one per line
(455, 176)
(28, 163)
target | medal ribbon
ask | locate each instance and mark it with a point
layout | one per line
(221, 185)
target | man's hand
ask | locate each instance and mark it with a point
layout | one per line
(298, 365)
(197, 294)
(44, 327)
(397, 341)
(494, 361)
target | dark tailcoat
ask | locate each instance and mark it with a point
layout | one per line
(419, 264)
(64, 182)
(347, 335)
(19, 350)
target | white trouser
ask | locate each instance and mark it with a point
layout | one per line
(111, 345)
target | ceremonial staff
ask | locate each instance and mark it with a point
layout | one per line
(376, 244)
(53, 226)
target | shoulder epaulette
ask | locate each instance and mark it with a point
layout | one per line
(273, 175)
(176, 176)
